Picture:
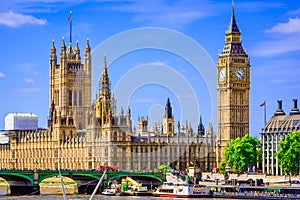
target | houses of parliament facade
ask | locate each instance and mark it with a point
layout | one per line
(85, 135)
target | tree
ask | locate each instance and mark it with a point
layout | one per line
(289, 153)
(165, 168)
(241, 152)
(222, 166)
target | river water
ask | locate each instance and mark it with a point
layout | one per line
(97, 197)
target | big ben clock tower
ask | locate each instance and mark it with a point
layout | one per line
(233, 84)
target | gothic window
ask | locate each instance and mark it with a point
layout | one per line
(70, 97)
(75, 98)
(79, 126)
(105, 152)
(63, 136)
(115, 136)
(123, 136)
(56, 93)
(80, 98)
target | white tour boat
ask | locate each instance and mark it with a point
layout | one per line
(178, 190)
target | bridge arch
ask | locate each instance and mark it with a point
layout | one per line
(67, 175)
(8, 177)
(19, 184)
(134, 175)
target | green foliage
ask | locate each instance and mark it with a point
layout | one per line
(241, 152)
(165, 168)
(289, 153)
(222, 166)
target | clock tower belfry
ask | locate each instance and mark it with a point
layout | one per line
(233, 84)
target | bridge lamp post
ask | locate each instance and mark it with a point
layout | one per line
(135, 167)
(11, 164)
(35, 164)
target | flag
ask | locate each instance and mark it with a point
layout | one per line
(69, 18)
(263, 104)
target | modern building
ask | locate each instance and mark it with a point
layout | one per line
(233, 85)
(276, 129)
(21, 121)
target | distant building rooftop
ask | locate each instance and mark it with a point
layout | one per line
(24, 121)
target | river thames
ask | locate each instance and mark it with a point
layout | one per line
(85, 197)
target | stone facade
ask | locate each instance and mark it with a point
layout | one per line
(85, 135)
(233, 84)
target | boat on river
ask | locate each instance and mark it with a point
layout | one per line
(179, 190)
(109, 192)
(256, 192)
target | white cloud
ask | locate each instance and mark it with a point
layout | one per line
(14, 20)
(29, 80)
(284, 38)
(292, 26)
(277, 46)
(2, 75)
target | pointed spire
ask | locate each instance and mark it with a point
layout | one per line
(122, 111)
(104, 73)
(53, 49)
(201, 129)
(77, 51)
(168, 109)
(104, 82)
(105, 64)
(233, 28)
(63, 45)
(128, 111)
(87, 46)
(70, 49)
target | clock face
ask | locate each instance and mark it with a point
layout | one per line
(222, 74)
(239, 74)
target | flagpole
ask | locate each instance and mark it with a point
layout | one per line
(265, 113)
(71, 27)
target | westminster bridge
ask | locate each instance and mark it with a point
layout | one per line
(23, 182)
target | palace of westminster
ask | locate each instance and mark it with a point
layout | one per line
(85, 135)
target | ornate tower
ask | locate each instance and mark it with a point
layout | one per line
(142, 125)
(233, 84)
(70, 90)
(201, 129)
(105, 101)
(168, 120)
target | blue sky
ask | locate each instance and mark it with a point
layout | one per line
(270, 35)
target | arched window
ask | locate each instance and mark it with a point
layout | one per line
(80, 98)
(70, 97)
(115, 136)
(123, 136)
(63, 136)
(79, 126)
(75, 98)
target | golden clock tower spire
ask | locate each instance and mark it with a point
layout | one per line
(233, 84)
